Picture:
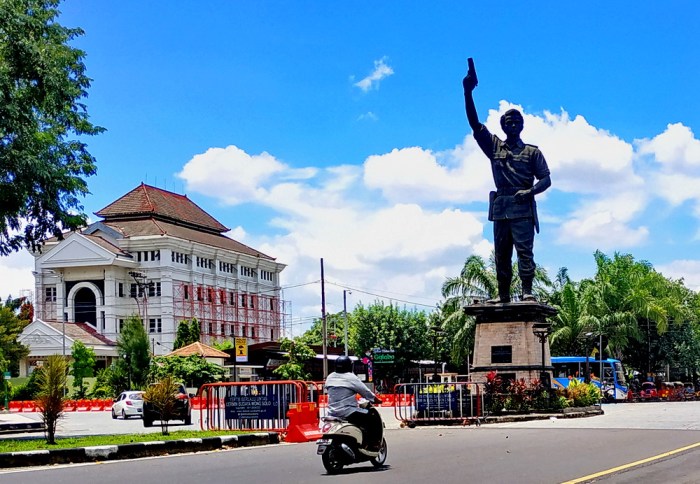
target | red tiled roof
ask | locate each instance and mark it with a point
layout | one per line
(200, 349)
(149, 201)
(135, 228)
(82, 332)
(106, 245)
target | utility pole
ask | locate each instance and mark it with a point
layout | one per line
(324, 327)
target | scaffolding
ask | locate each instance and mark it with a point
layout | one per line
(225, 313)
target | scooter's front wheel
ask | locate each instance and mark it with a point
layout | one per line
(332, 459)
(381, 458)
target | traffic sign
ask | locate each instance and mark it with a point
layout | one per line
(241, 350)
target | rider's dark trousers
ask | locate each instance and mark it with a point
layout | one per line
(371, 424)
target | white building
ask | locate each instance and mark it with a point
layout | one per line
(158, 255)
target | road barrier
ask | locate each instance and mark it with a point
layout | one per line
(459, 402)
(260, 405)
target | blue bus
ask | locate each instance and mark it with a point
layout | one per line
(613, 381)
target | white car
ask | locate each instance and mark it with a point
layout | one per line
(128, 404)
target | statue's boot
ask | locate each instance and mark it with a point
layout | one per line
(500, 299)
(527, 291)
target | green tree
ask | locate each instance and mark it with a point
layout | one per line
(83, 366)
(571, 322)
(43, 122)
(390, 328)
(195, 331)
(192, 370)
(335, 331)
(188, 332)
(134, 351)
(223, 345)
(11, 351)
(162, 396)
(52, 383)
(102, 388)
(297, 354)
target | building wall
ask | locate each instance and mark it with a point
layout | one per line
(174, 264)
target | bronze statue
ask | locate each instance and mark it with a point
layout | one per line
(512, 208)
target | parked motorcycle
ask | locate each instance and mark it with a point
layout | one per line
(341, 443)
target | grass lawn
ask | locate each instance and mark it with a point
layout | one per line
(24, 445)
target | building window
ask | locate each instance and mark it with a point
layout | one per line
(155, 255)
(232, 298)
(266, 275)
(187, 292)
(155, 325)
(102, 321)
(200, 296)
(133, 290)
(244, 302)
(252, 331)
(502, 354)
(121, 325)
(154, 289)
(210, 328)
(50, 293)
(120, 289)
(248, 272)
(231, 329)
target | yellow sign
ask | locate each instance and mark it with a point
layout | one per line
(241, 350)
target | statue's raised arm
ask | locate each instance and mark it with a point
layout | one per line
(469, 83)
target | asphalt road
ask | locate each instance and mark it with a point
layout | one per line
(548, 451)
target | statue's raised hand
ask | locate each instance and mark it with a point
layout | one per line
(470, 81)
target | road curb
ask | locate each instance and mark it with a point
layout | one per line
(133, 451)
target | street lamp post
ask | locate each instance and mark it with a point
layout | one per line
(437, 331)
(587, 378)
(542, 332)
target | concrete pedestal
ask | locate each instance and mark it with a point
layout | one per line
(506, 342)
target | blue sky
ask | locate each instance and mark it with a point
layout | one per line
(337, 130)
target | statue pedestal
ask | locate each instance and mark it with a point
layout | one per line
(507, 341)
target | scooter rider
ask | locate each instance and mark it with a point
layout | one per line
(342, 386)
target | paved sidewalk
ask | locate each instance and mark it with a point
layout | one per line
(16, 423)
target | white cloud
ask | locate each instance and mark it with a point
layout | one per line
(676, 149)
(688, 270)
(16, 274)
(380, 72)
(605, 223)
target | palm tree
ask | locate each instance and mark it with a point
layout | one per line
(570, 323)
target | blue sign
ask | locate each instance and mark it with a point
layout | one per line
(252, 406)
(436, 401)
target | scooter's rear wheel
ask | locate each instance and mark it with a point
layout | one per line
(381, 458)
(332, 459)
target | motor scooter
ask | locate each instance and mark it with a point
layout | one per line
(341, 443)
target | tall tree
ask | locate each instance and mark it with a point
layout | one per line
(187, 333)
(43, 121)
(134, 351)
(83, 366)
(389, 327)
(11, 351)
